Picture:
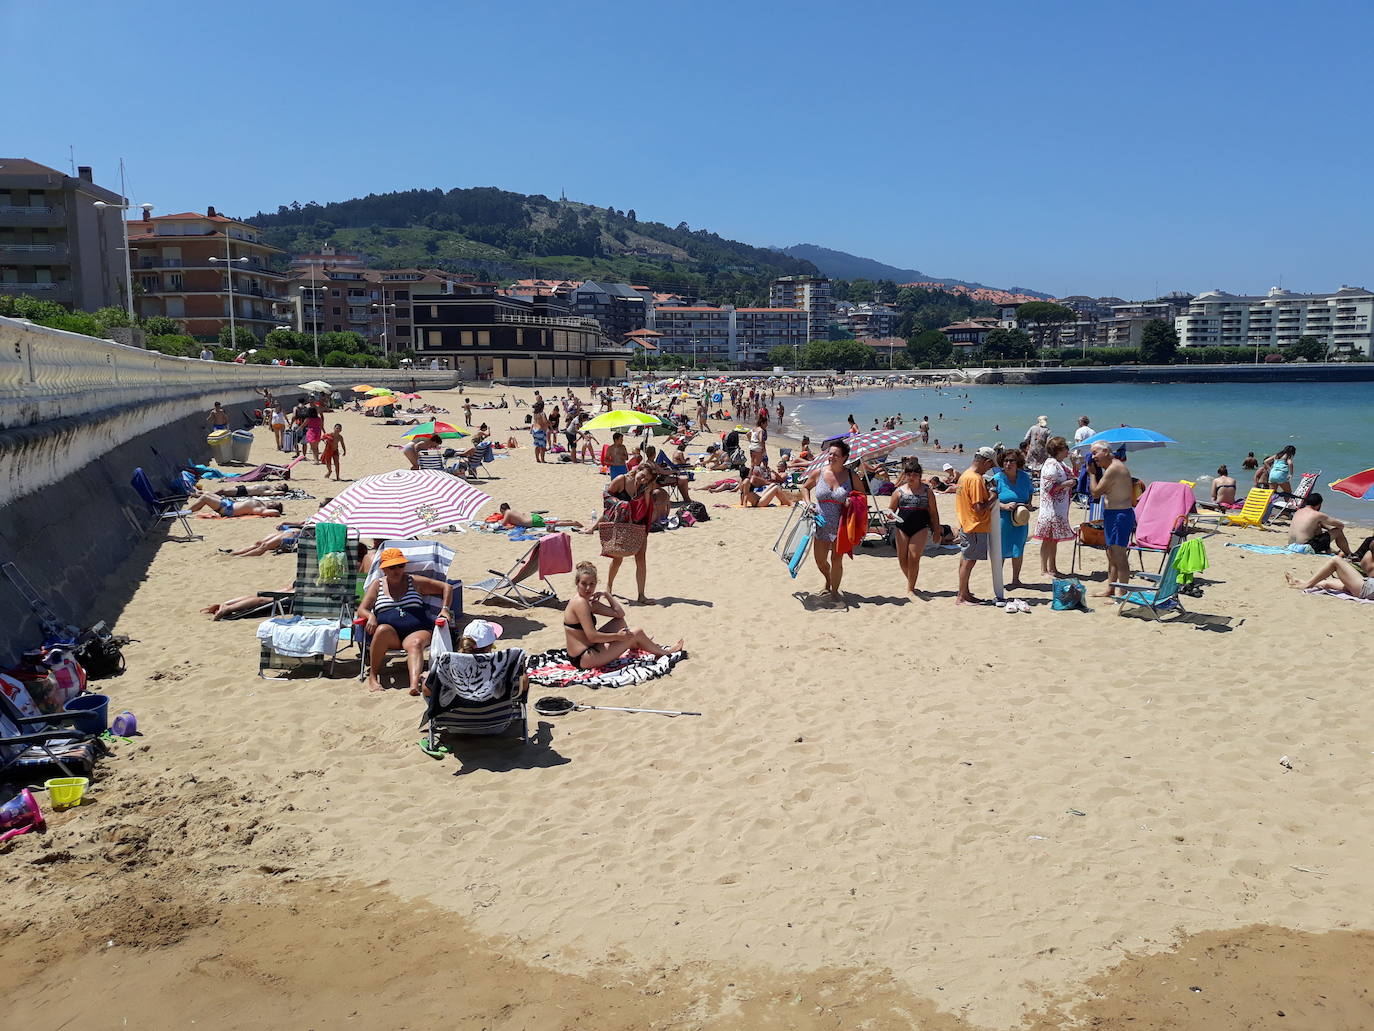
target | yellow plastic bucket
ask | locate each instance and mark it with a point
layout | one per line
(65, 792)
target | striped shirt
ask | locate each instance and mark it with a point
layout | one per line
(411, 599)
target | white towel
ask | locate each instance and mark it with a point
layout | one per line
(299, 638)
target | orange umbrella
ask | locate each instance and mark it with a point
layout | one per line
(364, 387)
(379, 402)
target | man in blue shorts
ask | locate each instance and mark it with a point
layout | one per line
(1109, 479)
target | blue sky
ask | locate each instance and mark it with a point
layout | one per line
(1070, 147)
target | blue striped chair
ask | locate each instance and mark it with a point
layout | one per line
(480, 694)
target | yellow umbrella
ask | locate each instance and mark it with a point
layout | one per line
(622, 418)
(380, 391)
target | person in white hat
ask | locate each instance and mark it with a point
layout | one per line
(479, 636)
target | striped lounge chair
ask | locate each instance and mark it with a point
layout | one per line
(313, 599)
(481, 694)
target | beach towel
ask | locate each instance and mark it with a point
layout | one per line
(300, 638)
(553, 669)
(1189, 560)
(478, 677)
(853, 524)
(1273, 549)
(1161, 510)
(1339, 594)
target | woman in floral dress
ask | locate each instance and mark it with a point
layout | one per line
(1057, 480)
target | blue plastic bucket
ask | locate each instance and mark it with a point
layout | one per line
(96, 710)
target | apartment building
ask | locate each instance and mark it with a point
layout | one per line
(1342, 320)
(811, 294)
(334, 292)
(703, 333)
(873, 321)
(55, 244)
(618, 308)
(487, 335)
(188, 267)
(759, 330)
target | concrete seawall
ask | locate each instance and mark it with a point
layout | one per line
(77, 416)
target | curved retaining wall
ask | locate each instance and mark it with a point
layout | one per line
(66, 399)
(77, 416)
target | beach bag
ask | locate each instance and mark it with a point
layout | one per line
(621, 538)
(1091, 535)
(697, 511)
(101, 653)
(52, 676)
(1068, 594)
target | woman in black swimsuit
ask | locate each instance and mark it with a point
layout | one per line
(590, 646)
(915, 511)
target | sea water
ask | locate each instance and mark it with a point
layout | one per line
(1331, 424)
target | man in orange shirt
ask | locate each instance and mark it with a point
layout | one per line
(973, 506)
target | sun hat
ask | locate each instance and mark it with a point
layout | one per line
(1042, 420)
(985, 452)
(392, 557)
(948, 468)
(483, 634)
(1020, 515)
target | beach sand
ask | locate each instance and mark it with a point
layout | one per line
(874, 823)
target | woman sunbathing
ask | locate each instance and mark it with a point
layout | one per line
(236, 606)
(251, 490)
(590, 646)
(228, 508)
(1339, 575)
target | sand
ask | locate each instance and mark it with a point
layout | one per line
(875, 819)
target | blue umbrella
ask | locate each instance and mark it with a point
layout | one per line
(1132, 438)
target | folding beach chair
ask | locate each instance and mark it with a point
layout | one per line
(423, 558)
(1255, 511)
(1161, 514)
(432, 460)
(1286, 504)
(476, 465)
(480, 694)
(1162, 597)
(267, 471)
(35, 746)
(550, 555)
(319, 601)
(1089, 533)
(164, 506)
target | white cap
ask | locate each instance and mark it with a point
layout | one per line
(948, 468)
(483, 634)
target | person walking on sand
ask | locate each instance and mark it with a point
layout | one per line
(829, 489)
(914, 512)
(539, 432)
(1084, 431)
(333, 447)
(1110, 479)
(467, 411)
(635, 489)
(973, 506)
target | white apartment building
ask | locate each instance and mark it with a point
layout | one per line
(1341, 320)
(726, 335)
(812, 295)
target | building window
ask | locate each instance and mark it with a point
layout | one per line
(174, 281)
(433, 311)
(403, 331)
(436, 338)
(465, 338)
(336, 294)
(400, 295)
(484, 338)
(336, 310)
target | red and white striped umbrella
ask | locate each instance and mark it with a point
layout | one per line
(869, 445)
(403, 503)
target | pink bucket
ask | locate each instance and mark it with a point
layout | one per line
(20, 815)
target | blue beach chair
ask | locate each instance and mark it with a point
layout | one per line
(164, 506)
(1162, 597)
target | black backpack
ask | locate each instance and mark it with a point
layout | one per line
(101, 652)
(698, 511)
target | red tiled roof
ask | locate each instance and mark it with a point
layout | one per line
(644, 333)
(669, 311)
(784, 311)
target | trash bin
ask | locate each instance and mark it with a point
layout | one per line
(240, 443)
(220, 444)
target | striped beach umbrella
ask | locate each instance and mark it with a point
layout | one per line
(427, 429)
(403, 503)
(874, 444)
(1359, 485)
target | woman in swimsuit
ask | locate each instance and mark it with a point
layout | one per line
(915, 511)
(590, 646)
(1281, 470)
(397, 616)
(637, 489)
(314, 431)
(828, 488)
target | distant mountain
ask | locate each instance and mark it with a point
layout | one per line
(840, 265)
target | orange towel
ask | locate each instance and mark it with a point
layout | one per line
(853, 524)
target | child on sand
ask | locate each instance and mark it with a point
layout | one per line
(333, 447)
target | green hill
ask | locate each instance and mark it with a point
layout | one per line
(501, 235)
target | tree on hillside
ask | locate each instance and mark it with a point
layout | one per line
(1308, 348)
(1043, 318)
(1158, 343)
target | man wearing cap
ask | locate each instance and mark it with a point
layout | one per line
(1109, 479)
(973, 506)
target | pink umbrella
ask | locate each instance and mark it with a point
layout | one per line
(869, 445)
(403, 503)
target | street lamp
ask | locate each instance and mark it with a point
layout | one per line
(383, 307)
(228, 263)
(128, 270)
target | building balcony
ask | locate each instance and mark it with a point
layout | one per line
(42, 291)
(33, 253)
(22, 215)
